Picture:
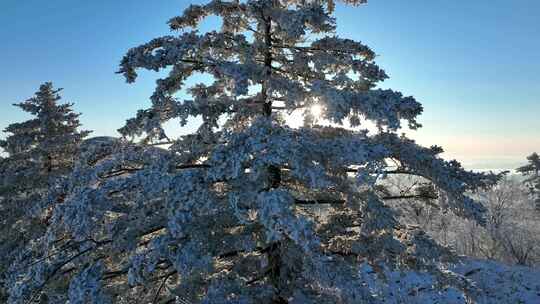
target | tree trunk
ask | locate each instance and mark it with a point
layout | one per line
(274, 172)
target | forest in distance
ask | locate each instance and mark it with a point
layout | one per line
(253, 207)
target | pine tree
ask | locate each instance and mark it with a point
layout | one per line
(532, 170)
(51, 139)
(39, 151)
(248, 209)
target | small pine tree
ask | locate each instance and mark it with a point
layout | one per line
(51, 139)
(39, 151)
(532, 171)
(248, 209)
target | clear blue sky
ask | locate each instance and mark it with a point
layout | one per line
(475, 65)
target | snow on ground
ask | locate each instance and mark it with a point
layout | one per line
(495, 283)
(501, 283)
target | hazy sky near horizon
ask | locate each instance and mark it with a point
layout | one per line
(474, 65)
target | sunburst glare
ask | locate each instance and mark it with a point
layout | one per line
(316, 110)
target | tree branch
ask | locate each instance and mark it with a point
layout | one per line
(165, 278)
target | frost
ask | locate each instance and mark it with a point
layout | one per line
(86, 287)
(248, 209)
(532, 170)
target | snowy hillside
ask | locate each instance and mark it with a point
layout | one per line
(489, 283)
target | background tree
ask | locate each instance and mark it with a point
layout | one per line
(248, 209)
(39, 151)
(49, 141)
(532, 170)
(510, 234)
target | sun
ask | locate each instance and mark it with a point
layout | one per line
(295, 119)
(316, 110)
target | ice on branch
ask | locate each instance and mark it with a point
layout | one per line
(247, 209)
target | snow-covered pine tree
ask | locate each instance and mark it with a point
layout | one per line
(532, 171)
(39, 151)
(248, 209)
(50, 140)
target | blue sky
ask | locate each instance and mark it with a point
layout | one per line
(473, 64)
